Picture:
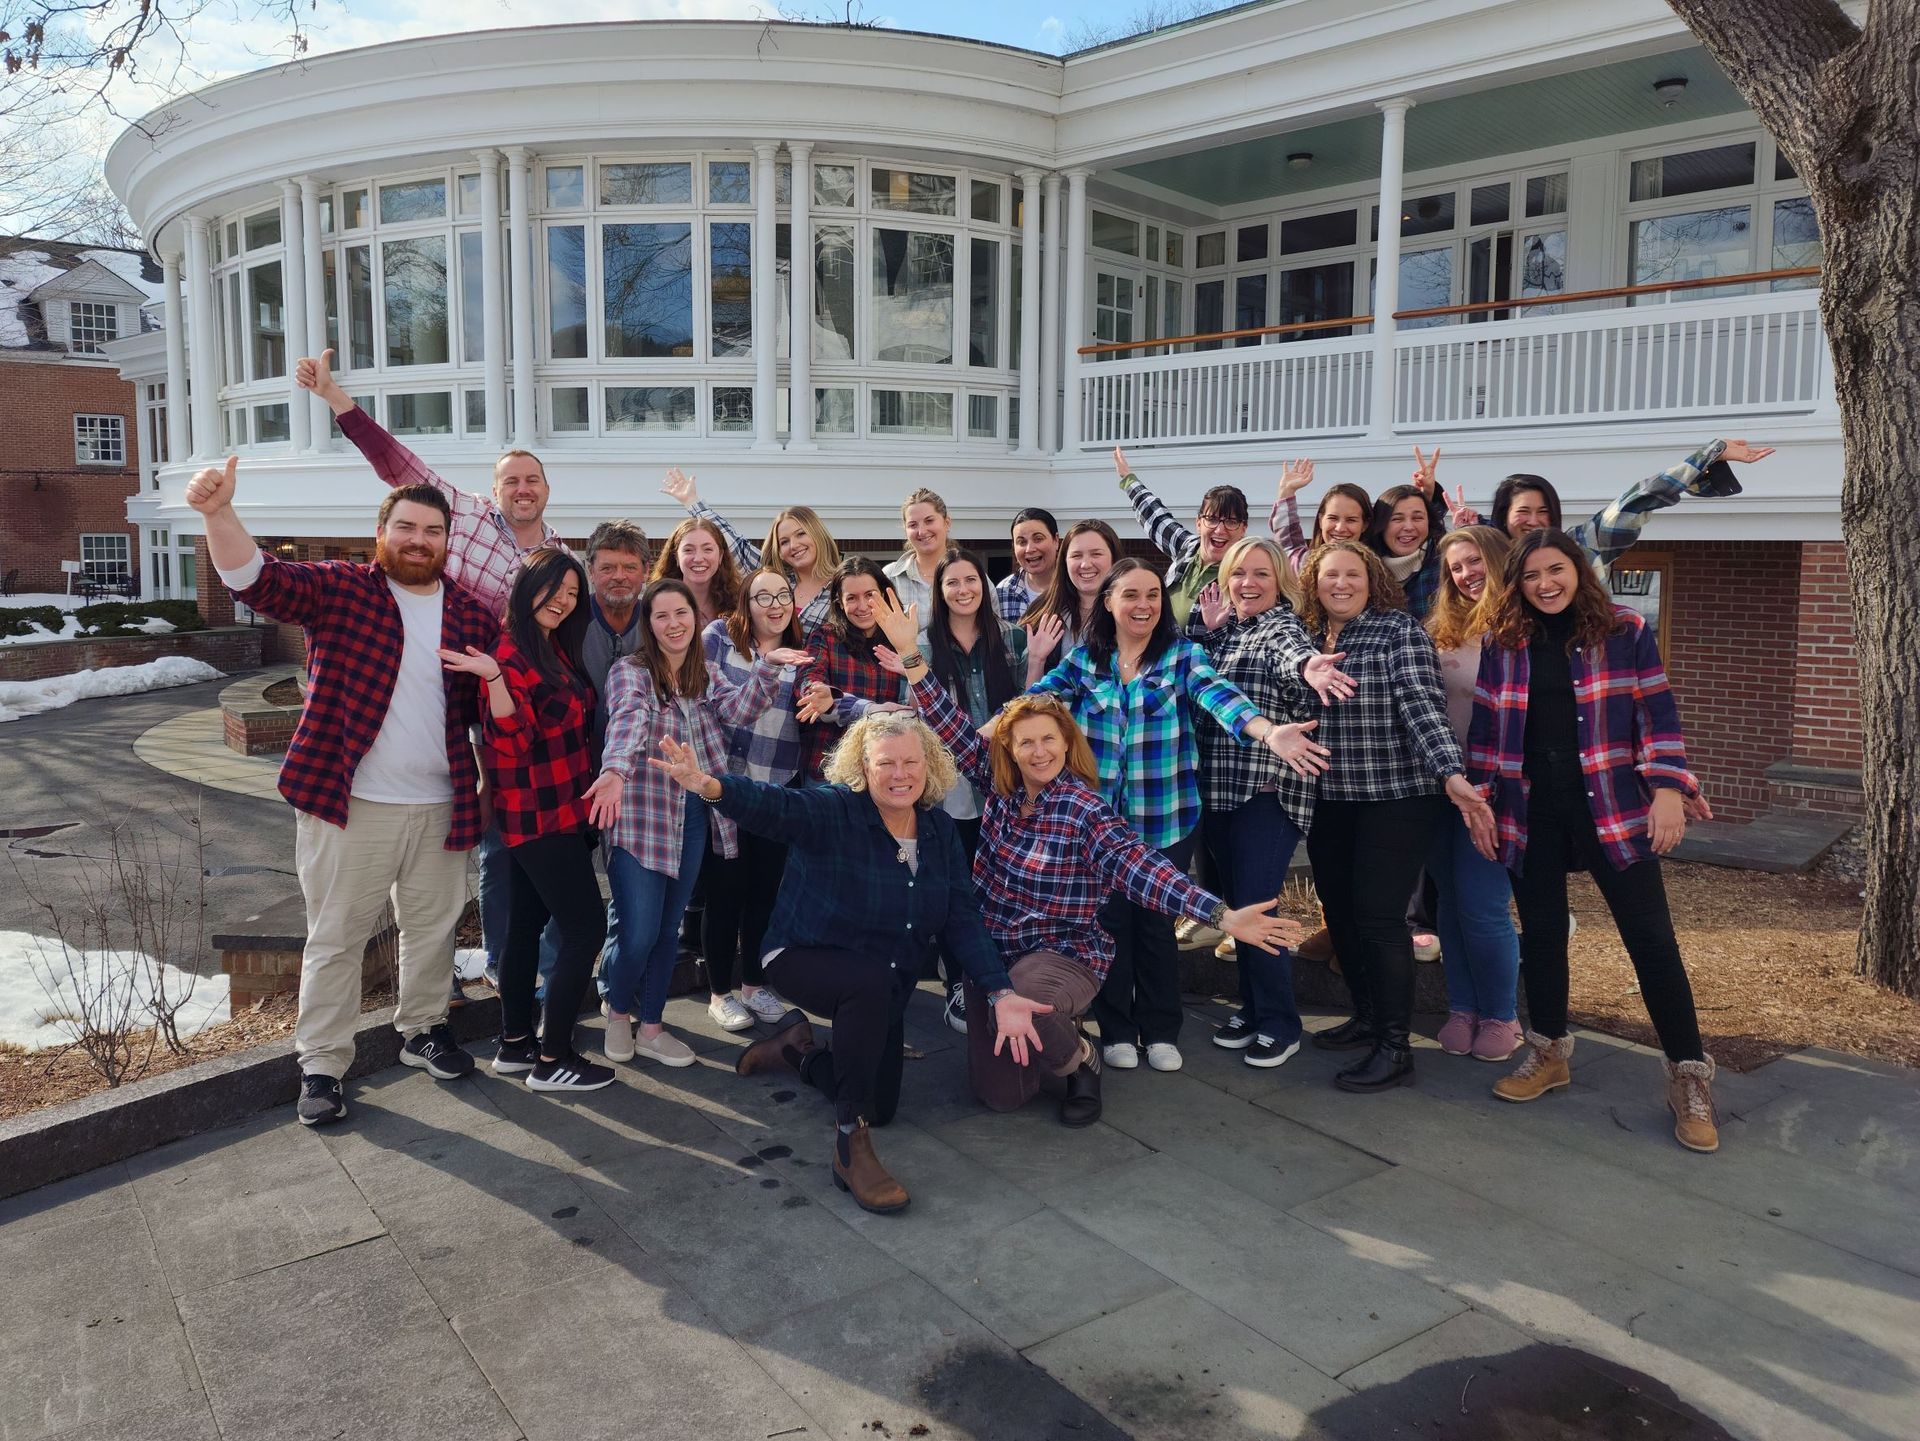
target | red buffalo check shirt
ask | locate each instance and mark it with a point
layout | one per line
(354, 640)
(539, 759)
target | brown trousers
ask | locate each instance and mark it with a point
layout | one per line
(1050, 978)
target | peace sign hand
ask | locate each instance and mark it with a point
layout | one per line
(1423, 469)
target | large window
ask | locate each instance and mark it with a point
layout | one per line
(1709, 211)
(106, 556)
(648, 273)
(90, 325)
(913, 296)
(414, 284)
(99, 440)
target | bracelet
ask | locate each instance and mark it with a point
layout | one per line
(1218, 915)
(497, 675)
(911, 659)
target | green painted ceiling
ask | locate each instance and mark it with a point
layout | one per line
(1557, 110)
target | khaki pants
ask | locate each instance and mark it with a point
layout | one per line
(346, 877)
(1046, 976)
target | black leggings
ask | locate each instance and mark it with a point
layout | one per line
(1140, 999)
(864, 999)
(740, 894)
(1561, 837)
(552, 878)
(1366, 857)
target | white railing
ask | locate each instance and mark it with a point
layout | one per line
(1743, 355)
(1309, 388)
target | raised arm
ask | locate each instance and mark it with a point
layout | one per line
(1160, 524)
(391, 461)
(956, 732)
(1129, 865)
(685, 489)
(742, 705)
(285, 590)
(1295, 476)
(1613, 529)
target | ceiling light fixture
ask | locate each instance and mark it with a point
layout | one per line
(1300, 159)
(1669, 91)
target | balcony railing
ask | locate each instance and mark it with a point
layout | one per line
(1762, 353)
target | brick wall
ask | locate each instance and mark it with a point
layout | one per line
(1826, 713)
(216, 605)
(230, 650)
(46, 500)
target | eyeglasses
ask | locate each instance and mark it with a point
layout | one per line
(768, 600)
(1220, 522)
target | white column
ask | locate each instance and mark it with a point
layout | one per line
(179, 445)
(520, 239)
(1074, 324)
(1050, 320)
(1030, 312)
(1386, 280)
(766, 353)
(800, 324)
(205, 365)
(319, 417)
(293, 293)
(493, 303)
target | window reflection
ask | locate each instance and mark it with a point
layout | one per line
(650, 407)
(833, 267)
(913, 296)
(567, 291)
(1696, 246)
(414, 275)
(983, 304)
(649, 289)
(730, 262)
(266, 321)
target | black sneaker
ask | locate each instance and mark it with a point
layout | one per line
(321, 1100)
(513, 1057)
(569, 1073)
(1236, 1035)
(957, 1008)
(1265, 1052)
(437, 1053)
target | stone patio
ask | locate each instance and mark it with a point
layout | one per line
(1232, 1253)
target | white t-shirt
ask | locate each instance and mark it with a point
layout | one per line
(407, 763)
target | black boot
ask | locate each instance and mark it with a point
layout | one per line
(1390, 1063)
(1080, 1105)
(1349, 1035)
(1384, 1068)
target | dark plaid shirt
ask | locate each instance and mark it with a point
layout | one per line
(1263, 657)
(354, 640)
(539, 759)
(856, 684)
(1392, 739)
(848, 886)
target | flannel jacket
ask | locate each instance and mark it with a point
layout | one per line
(749, 558)
(539, 759)
(653, 813)
(768, 748)
(1174, 539)
(1012, 597)
(354, 640)
(908, 587)
(1262, 655)
(856, 684)
(483, 557)
(1391, 740)
(1293, 540)
(848, 886)
(1612, 530)
(1042, 876)
(1145, 735)
(1631, 743)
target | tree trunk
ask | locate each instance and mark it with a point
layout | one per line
(1841, 100)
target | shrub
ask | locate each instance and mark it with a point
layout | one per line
(21, 619)
(117, 617)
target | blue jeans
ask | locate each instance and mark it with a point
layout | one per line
(649, 905)
(1478, 948)
(1252, 846)
(496, 893)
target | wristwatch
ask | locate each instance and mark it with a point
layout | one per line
(994, 998)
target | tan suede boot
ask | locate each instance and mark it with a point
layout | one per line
(1542, 1069)
(857, 1171)
(786, 1047)
(1690, 1096)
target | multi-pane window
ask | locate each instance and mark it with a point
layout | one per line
(91, 325)
(107, 556)
(99, 440)
(1717, 210)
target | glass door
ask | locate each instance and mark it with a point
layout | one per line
(1115, 300)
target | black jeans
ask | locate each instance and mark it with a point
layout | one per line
(1140, 1001)
(552, 879)
(740, 895)
(1561, 837)
(1366, 857)
(940, 965)
(864, 998)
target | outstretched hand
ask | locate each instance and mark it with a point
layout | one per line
(814, 703)
(1212, 605)
(681, 487)
(1293, 744)
(212, 489)
(471, 661)
(1325, 679)
(1013, 1022)
(681, 765)
(1295, 476)
(603, 799)
(901, 626)
(1043, 635)
(1120, 463)
(1258, 926)
(1741, 453)
(784, 655)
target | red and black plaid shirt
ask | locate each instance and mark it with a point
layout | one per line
(539, 759)
(855, 683)
(354, 640)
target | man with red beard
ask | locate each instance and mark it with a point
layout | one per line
(380, 771)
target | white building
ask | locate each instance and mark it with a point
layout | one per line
(580, 239)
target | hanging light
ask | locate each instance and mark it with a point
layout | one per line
(1669, 91)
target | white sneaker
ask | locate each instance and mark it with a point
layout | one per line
(766, 1006)
(1125, 1056)
(729, 1014)
(619, 1042)
(1164, 1056)
(666, 1048)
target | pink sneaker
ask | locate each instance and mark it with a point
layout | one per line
(1495, 1040)
(1456, 1036)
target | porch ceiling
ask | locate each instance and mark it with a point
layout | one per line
(1552, 110)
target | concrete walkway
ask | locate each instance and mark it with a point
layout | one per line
(1232, 1253)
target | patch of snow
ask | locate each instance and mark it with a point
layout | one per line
(470, 963)
(43, 597)
(127, 266)
(31, 697)
(30, 964)
(21, 273)
(155, 625)
(68, 628)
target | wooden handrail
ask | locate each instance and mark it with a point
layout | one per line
(1478, 307)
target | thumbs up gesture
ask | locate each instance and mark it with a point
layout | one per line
(212, 489)
(315, 373)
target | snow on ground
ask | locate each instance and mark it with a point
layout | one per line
(69, 628)
(30, 697)
(43, 597)
(29, 964)
(470, 963)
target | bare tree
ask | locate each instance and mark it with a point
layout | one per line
(1843, 100)
(1150, 15)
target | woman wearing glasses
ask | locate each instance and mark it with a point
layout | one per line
(1196, 553)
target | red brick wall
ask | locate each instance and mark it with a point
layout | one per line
(216, 605)
(46, 501)
(232, 650)
(1731, 618)
(1826, 713)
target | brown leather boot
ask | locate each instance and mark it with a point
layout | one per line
(787, 1046)
(1542, 1069)
(858, 1172)
(1690, 1096)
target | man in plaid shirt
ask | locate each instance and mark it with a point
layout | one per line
(380, 770)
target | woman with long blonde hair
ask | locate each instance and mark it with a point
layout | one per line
(798, 541)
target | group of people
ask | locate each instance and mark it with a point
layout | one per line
(875, 775)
